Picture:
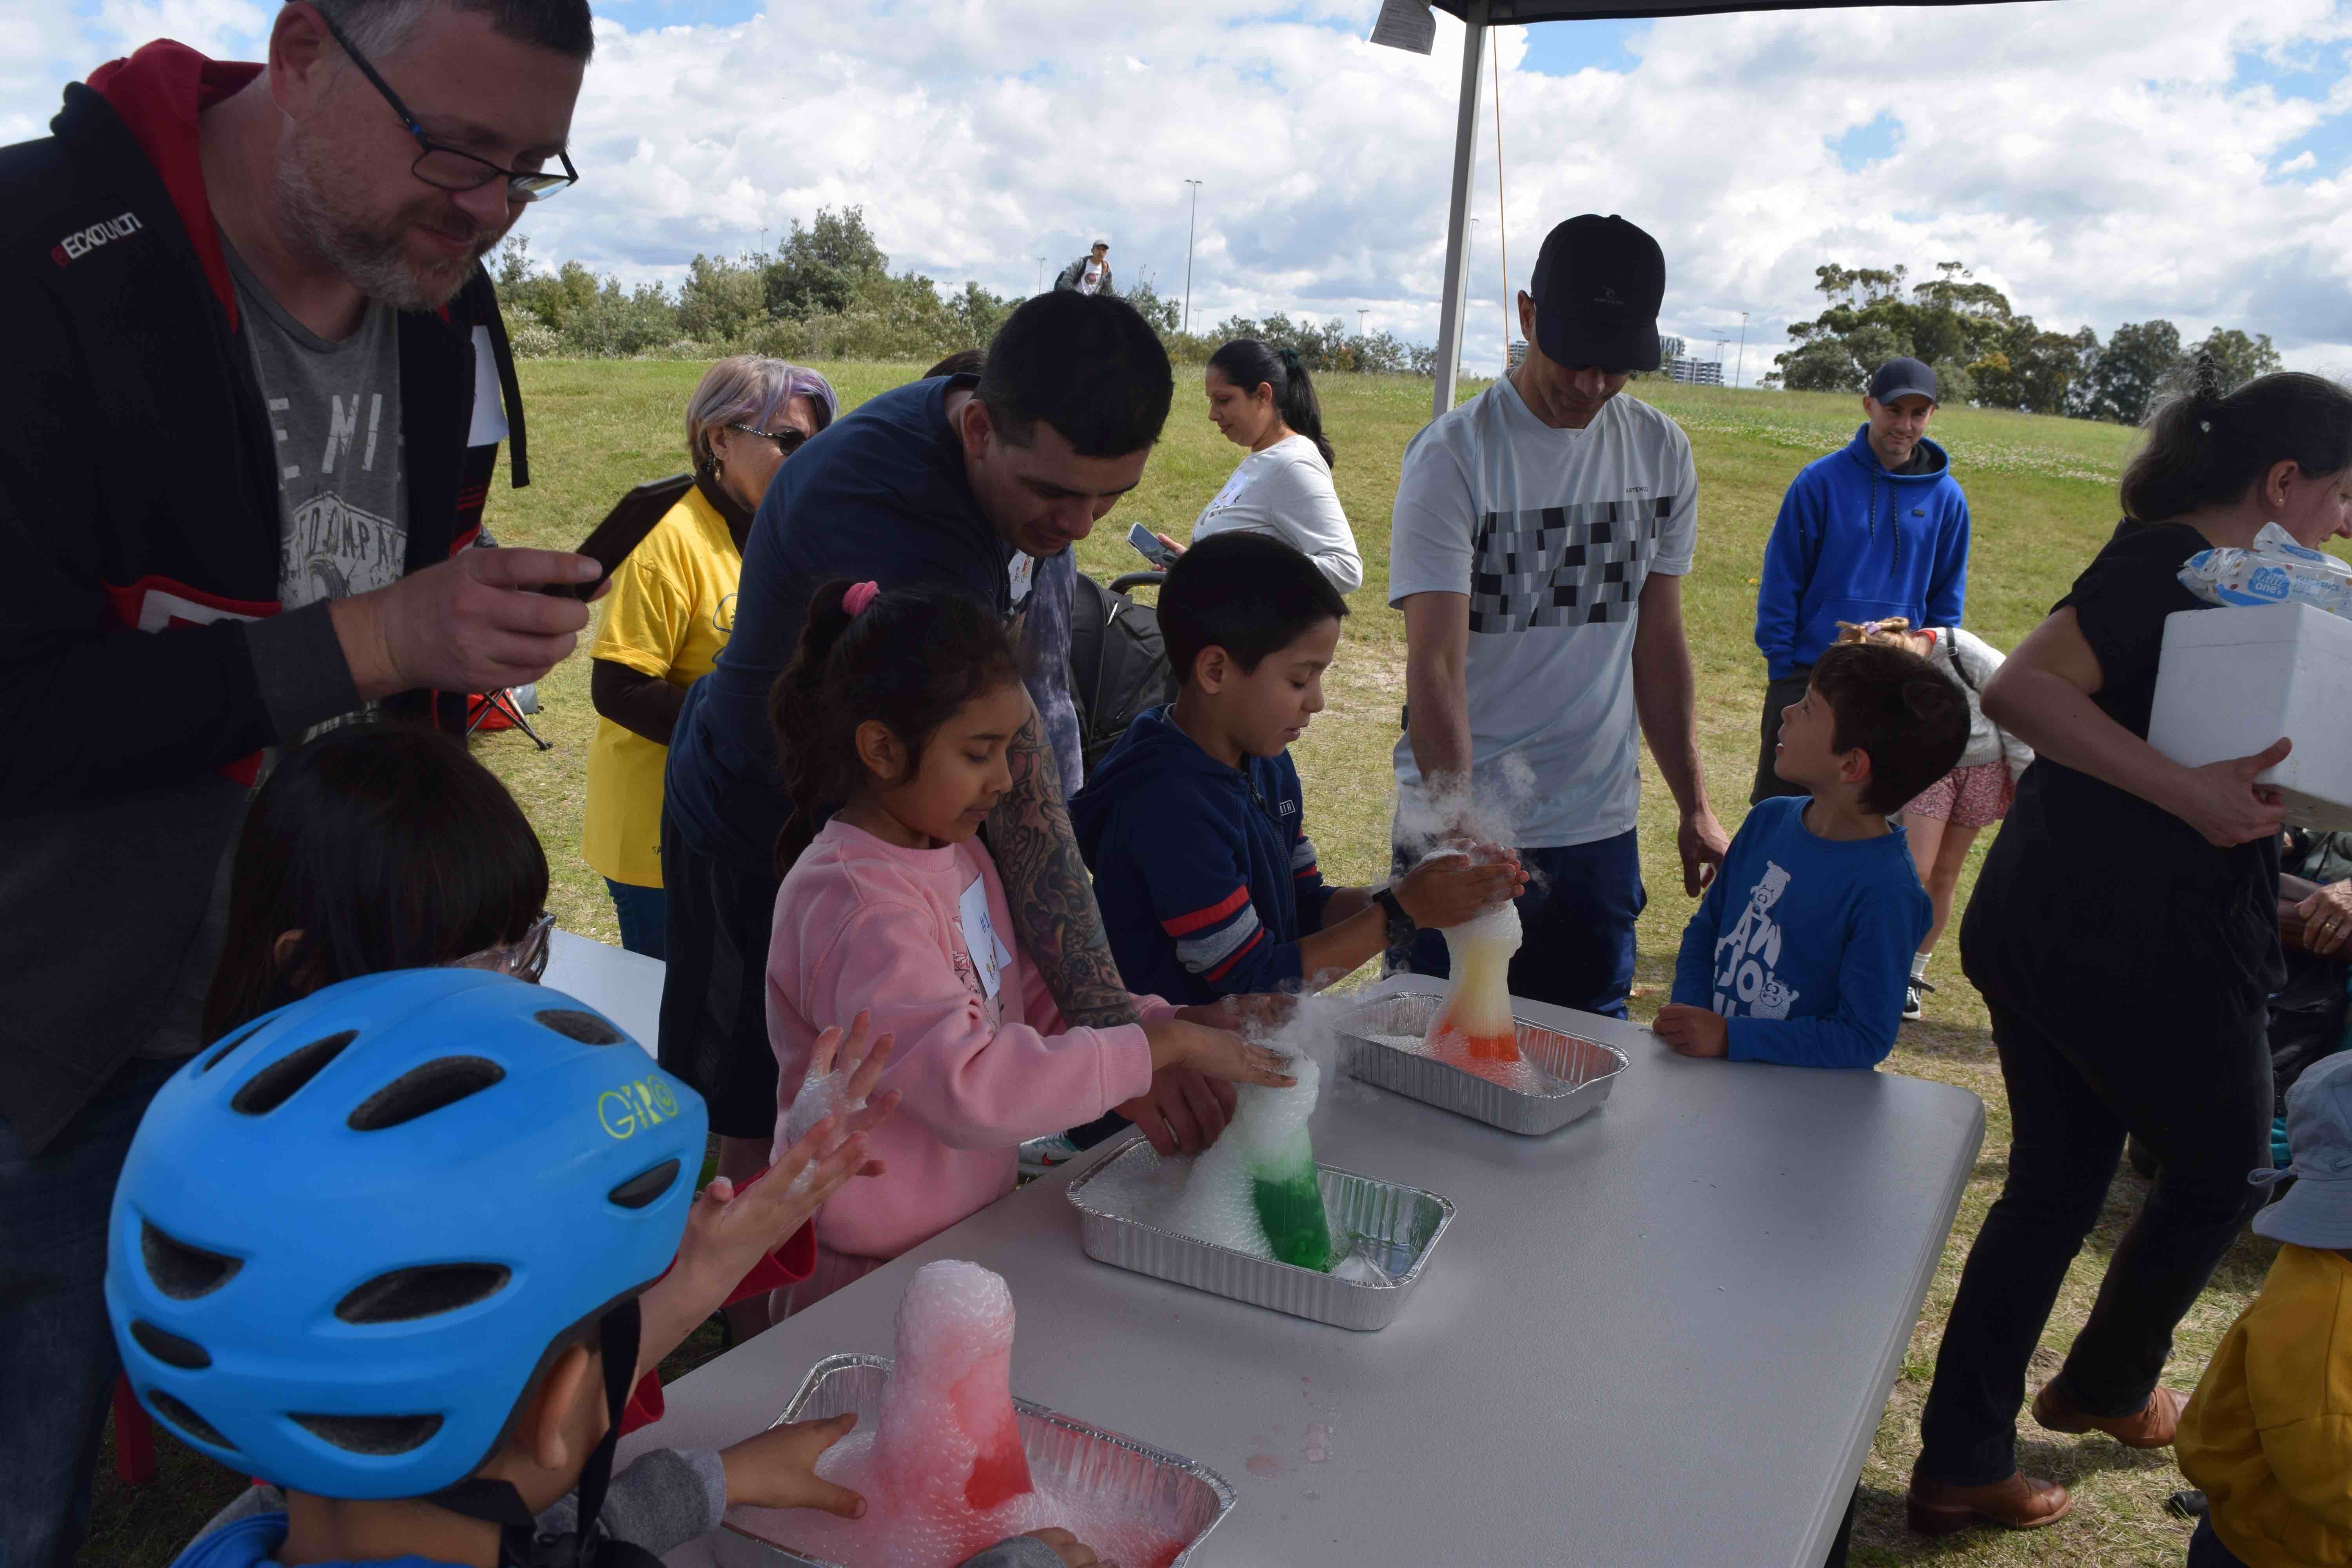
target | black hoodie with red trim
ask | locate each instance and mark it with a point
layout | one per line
(143, 662)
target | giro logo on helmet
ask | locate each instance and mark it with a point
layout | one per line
(648, 1102)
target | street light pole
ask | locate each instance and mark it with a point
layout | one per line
(1741, 363)
(1041, 274)
(1361, 312)
(1191, 225)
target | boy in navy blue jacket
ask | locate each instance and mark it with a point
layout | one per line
(1877, 530)
(1195, 824)
(1800, 952)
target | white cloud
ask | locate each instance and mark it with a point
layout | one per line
(2102, 160)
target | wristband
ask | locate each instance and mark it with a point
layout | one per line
(1401, 924)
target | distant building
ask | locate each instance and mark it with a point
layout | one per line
(1518, 351)
(1697, 371)
(1671, 350)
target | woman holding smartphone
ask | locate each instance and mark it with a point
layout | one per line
(669, 612)
(1262, 398)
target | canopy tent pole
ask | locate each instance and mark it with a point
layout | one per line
(1458, 214)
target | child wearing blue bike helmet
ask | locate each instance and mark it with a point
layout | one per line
(384, 1247)
(383, 846)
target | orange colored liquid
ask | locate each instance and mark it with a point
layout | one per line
(1451, 1040)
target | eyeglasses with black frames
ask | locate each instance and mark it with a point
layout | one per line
(446, 168)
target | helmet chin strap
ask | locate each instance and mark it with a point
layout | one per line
(521, 1544)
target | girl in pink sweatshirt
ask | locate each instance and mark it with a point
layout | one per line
(900, 707)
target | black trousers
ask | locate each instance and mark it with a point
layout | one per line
(1777, 694)
(2189, 1074)
(714, 1007)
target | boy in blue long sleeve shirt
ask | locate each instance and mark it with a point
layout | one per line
(1195, 824)
(1877, 530)
(1800, 952)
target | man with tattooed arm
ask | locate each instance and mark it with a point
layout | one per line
(970, 480)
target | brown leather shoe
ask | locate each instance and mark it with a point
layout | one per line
(2020, 1502)
(2150, 1427)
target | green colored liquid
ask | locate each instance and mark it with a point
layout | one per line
(1290, 1206)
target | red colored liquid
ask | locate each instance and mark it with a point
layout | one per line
(1001, 1470)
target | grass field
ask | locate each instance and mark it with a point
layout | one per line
(2041, 492)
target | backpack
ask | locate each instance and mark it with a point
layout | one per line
(1118, 663)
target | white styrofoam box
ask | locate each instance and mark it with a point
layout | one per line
(2230, 681)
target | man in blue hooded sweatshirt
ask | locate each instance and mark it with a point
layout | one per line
(1877, 530)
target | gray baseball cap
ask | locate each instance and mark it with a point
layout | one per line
(2318, 1210)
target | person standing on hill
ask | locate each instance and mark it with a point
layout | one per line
(1874, 531)
(1541, 534)
(1089, 274)
(241, 454)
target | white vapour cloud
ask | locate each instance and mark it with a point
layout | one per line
(2102, 160)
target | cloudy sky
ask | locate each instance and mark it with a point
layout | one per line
(2102, 160)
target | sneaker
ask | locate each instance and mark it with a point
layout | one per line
(1040, 1155)
(1912, 1007)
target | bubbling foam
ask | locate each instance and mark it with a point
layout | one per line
(943, 1470)
(1475, 1030)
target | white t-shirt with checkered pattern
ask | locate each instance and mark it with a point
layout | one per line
(1551, 533)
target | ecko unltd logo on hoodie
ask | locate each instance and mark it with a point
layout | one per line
(83, 241)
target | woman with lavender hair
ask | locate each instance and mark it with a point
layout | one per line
(669, 612)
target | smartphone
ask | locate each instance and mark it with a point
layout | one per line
(623, 529)
(1148, 545)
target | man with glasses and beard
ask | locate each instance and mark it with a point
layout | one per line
(240, 453)
(1541, 534)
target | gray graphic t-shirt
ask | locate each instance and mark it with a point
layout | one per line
(1551, 534)
(334, 409)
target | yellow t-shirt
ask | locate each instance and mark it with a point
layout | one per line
(2268, 1433)
(669, 612)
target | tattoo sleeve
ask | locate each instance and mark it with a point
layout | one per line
(1045, 882)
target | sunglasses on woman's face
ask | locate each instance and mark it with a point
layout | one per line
(525, 958)
(788, 440)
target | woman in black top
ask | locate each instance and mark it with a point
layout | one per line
(2123, 933)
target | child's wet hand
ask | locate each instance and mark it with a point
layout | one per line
(727, 1230)
(1225, 1055)
(1439, 894)
(1693, 1031)
(778, 1469)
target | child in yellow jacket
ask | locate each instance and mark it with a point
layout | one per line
(2269, 1433)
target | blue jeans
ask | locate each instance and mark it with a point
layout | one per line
(645, 918)
(57, 1361)
(1576, 948)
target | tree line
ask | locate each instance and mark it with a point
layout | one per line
(827, 292)
(1984, 352)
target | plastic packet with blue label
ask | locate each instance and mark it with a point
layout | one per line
(2276, 571)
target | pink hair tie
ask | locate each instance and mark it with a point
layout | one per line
(860, 595)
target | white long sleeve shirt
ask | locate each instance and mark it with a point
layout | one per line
(1285, 490)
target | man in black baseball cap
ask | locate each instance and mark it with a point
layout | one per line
(1595, 295)
(1541, 533)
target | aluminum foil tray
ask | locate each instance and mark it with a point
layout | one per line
(1579, 1071)
(1182, 1498)
(1397, 1226)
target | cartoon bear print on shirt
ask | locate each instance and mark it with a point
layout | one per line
(1744, 956)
